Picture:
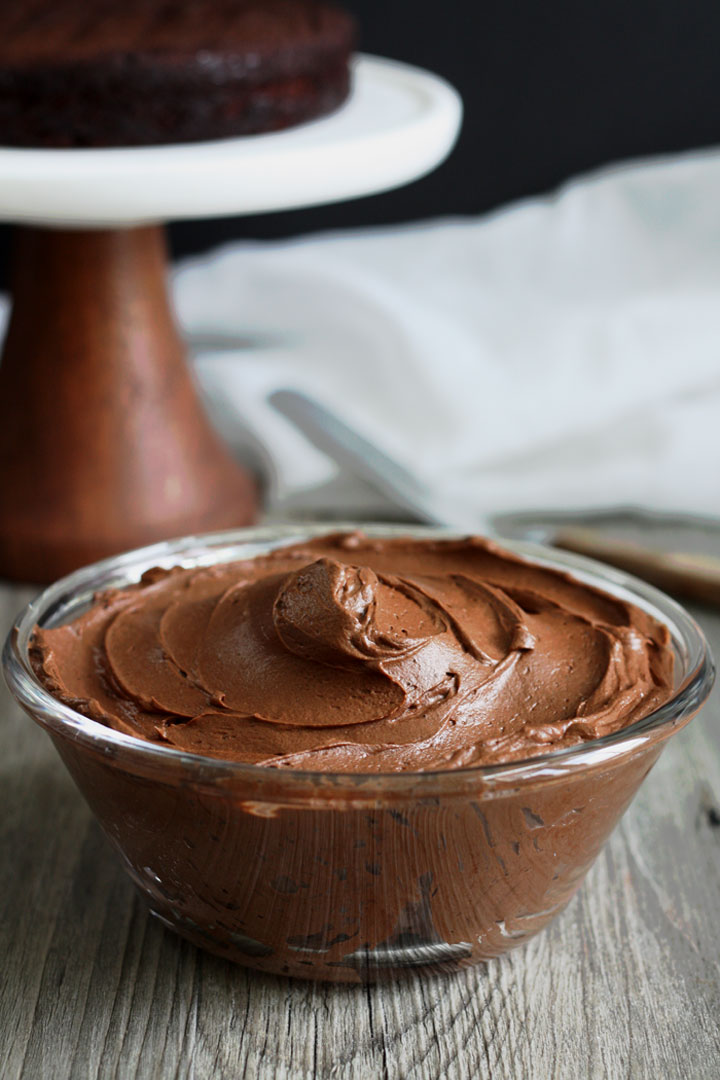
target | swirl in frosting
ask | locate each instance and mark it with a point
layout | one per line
(355, 654)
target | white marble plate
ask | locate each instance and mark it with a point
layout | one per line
(398, 123)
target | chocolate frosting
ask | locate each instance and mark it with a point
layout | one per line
(355, 654)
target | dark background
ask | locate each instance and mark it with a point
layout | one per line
(551, 88)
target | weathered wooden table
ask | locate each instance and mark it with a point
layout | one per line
(625, 984)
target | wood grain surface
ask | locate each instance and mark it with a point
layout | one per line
(625, 984)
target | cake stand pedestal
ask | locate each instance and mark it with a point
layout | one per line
(104, 444)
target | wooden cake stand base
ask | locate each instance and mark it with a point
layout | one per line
(104, 444)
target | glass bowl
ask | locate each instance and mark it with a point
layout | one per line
(349, 877)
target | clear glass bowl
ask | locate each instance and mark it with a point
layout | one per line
(345, 876)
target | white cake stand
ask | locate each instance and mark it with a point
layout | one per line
(103, 443)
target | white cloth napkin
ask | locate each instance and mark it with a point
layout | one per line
(564, 352)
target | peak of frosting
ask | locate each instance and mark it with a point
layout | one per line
(348, 653)
(339, 614)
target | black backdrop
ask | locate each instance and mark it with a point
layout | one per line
(551, 88)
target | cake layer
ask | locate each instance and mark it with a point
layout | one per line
(148, 71)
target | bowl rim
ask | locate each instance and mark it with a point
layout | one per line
(76, 590)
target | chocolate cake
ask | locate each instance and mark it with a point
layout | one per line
(138, 72)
